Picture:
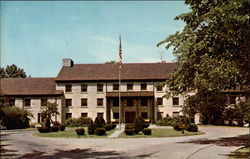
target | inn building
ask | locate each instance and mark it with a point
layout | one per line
(91, 90)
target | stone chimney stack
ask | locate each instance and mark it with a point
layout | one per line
(68, 62)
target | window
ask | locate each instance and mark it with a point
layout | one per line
(129, 86)
(144, 115)
(159, 101)
(38, 117)
(175, 100)
(144, 102)
(99, 87)
(116, 102)
(159, 115)
(144, 86)
(11, 102)
(175, 114)
(84, 102)
(68, 115)
(68, 88)
(159, 88)
(44, 102)
(68, 102)
(232, 100)
(130, 102)
(100, 114)
(100, 102)
(115, 87)
(84, 115)
(116, 115)
(84, 87)
(27, 102)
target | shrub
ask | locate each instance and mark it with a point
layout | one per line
(100, 131)
(147, 131)
(129, 126)
(146, 125)
(80, 131)
(129, 131)
(77, 122)
(165, 121)
(62, 127)
(47, 122)
(99, 122)
(91, 129)
(43, 129)
(54, 128)
(56, 123)
(176, 126)
(108, 127)
(113, 126)
(15, 118)
(139, 124)
(192, 128)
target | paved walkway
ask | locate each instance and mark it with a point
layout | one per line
(118, 131)
(217, 143)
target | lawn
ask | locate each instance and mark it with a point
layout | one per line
(160, 132)
(70, 133)
(242, 153)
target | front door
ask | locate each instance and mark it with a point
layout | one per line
(129, 117)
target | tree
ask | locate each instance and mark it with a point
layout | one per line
(12, 71)
(213, 49)
(49, 111)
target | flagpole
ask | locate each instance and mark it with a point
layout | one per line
(120, 60)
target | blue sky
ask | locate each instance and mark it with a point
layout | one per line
(36, 36)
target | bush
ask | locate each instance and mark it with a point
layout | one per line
(167, 121)
(91, 129)
(99, 122)
(78, 122)
(43, 129)
(62, 127)
(147, 131)
(176, 126)
(100, 131)
(56, 123)
(146, 125)
(15, 118)
(129, 129)
(192, 128)
(139, 124)
(47, 122)
(80, 131)
(54, 128)
(113, 126)
(108, 127)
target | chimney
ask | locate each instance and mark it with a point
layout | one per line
(68, 62)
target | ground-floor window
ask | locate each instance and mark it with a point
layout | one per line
(68, 115)
(84, 114)
(116, 115)
(144, 115)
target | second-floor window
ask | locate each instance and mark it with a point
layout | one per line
(68, 88)
(99, 87)
(143, 86)
(159, 101)
(130, 86)
(115, 87)
(27, 102)
(84, 87)
(44, 102)
(175, 101)
(84, 102)
(68, 102)
(100, 102)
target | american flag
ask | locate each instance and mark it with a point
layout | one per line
(120, 51)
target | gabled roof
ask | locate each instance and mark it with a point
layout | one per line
(29, 86)
(129, 71)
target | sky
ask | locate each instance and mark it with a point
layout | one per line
(36, 36)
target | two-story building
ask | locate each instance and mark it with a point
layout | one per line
(90, 90)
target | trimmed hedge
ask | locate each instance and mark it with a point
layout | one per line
(99, 122)
(113, 126)
(147, 131)
(78, 122)
(108, 127)
(129, 129)
(62, 127)
(80, 131)
(100, 131)
(91, 129)
(54, 128)
(192, 128)
(139, 124)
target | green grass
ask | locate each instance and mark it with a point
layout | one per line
(70, 133)
(242, 153)
(161, 133)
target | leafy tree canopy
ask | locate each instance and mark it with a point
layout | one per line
(213, 48)
(12, 71)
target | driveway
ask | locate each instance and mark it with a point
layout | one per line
(215, 144)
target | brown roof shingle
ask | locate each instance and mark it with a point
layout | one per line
(29, 86)
(129, 71)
